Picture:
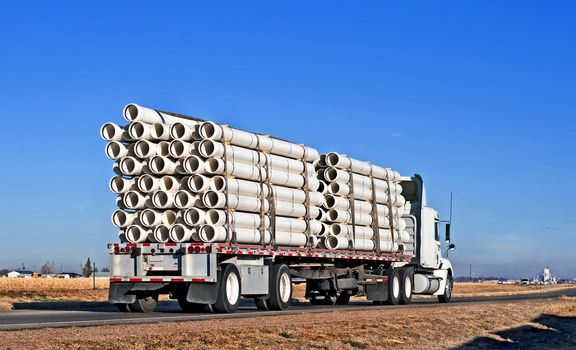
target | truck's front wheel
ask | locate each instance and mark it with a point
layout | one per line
(445, 298)
(228, 298)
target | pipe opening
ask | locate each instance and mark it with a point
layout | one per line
(211, 199)
(119, 218)
(192, 164)
(330, 201)
(208, 130)
(331, 174)
(115, 150)
(178, 233)
(197, 183)
(162, 234)
(136, 234)
(219, 183)
(109, 131)
(160, 198)
(177, 148)
(178, 130)
(207, 148)
(146, 183)
(332, 159)
(213, 164)
(163, 148)
(118, 184)
(131, 112)
(148, 217)
(157, 164)
(169, 183)
(136, 130)
(336, 229)
(207, 233)
(215, 217)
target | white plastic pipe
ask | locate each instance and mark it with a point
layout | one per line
(336, 242)
(193, 165)
(195, 183)
(148, 183)
(341, 216)
(213, 149)
(249, 220)
(134, 112)
(291, 239)
(162, 165)
(194, 216)
(163, 149)
(113, 132)
(184, 132)
(341, 203)
(241, 138)
(152, 217)
(181, 233)
(159, 131)
(360, 192)
(250, 188)
(180, 149)
(215, 166)
(337, 175)
(344, 162)
(169, 183)
(137, 234)
(132, 166)
(116, 150)
(162, 234)
(185, 200)
(121, 218)
(145, 149)
(211, 233)
(163, 199)
(119, 184)
(135, 200)
(139, 131)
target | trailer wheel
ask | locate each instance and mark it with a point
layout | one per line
(187, 306)
(394, 287)
(406, 292)
(447, 291)
(145, 304)
(228, 298)
(343, 298)
(280, 288)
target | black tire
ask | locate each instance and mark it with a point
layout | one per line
(343, 298)
(447, 291)
(229, 288)
(189, 307)
(394, 287)
(123, 307)
(145, 304)
(280, 288)
(406, 278)
(261, 304)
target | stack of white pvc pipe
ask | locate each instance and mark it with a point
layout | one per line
(182, 180)
(362, 200)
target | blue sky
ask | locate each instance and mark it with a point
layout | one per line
(478, 97)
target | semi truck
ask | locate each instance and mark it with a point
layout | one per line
(217, 275)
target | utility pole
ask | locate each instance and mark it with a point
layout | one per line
(470, 272)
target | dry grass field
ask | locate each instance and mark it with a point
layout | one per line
(19, 290)
(525, 325)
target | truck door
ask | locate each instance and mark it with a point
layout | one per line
(429, 239)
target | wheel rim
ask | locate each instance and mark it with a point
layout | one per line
(232, 288)
(448, 288)
(285, 287)
(395, 287)
(407, 287)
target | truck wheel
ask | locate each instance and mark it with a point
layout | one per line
(394, 287)
(280, 288)
(228, 298)
(447, 291)
(406, 293)
(343, 298)
(123, 307)
(190, 307)
(145, 304)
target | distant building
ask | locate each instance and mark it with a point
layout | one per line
(20, 274)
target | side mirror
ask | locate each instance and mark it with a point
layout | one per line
(452, 246)
(448, 225)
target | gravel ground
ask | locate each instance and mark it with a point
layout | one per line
(527, 325)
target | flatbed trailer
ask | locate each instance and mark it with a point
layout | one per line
(220, 274)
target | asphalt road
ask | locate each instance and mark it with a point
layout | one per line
(169, 312)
